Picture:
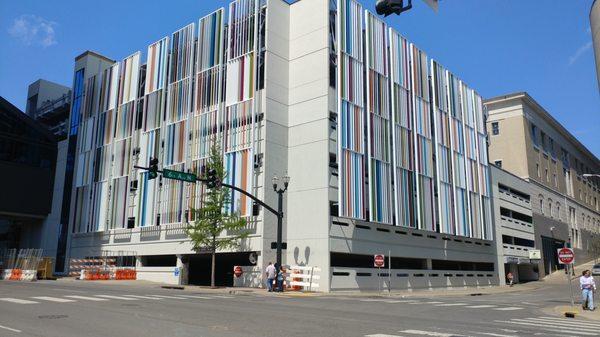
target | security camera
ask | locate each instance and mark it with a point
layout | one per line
(552, 228)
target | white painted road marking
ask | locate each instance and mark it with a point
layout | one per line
(450, 304)
(117, 297)
(194, 296)
(9, 329)
(53, 299)
(86, 298)
(171, 297)
(16, 300)
(555, 328)
(429, 333)
(382, 335)
(508, 308)
(480, 306)
(144, 297)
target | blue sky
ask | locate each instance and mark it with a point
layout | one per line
(497, 46)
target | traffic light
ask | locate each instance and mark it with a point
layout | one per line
(387, 7)
(153, 169)
(212, 180)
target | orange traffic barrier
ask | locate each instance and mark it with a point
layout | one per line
(16, 274)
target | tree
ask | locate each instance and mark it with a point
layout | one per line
(212, 219)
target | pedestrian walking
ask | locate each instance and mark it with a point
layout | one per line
(588, 287)
(510, 278)
(270, 273)
(280, 279)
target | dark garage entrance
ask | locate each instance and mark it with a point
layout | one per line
(549, 247)
(199, 268)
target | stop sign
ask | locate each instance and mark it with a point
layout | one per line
(237, 271)
(565, 256)
(379, 260)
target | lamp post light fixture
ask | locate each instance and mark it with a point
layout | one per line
(280, 190)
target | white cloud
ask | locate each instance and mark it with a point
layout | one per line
(582, 50)
(33, 30)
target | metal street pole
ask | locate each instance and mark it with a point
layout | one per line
(279, 225)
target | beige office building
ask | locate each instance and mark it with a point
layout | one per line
(527, 141)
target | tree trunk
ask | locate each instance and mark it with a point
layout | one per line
(212, 270)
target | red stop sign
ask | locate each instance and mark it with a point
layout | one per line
(566, 255)
(237, 271)
(379, 260)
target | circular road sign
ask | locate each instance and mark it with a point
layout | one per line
(566, 255)
(237, 271)
(379, 260)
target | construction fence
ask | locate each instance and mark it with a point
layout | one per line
(111, 265)
(20, 265)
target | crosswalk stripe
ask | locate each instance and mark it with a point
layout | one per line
(382, 335)
(572, 325)
(450, 304)
(480, 306)
(170, 297)
(17, 300)
(194, 296)
(86, 298)
(222, 296)
(144, 297)
(546, 326)
(493, 334)
(9, 329)
(570, 322)
(429, 333)
(53, 299)
(117, 297)
(508, 308)
(433, 302)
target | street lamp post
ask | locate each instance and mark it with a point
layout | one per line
(286, 180)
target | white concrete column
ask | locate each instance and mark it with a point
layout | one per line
(183, 265)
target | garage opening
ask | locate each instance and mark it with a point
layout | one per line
(199, 268)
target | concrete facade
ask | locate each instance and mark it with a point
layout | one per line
(296, 128)
(565, 203)
(515, 231)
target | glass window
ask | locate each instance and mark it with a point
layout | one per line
(533, 131)
(495, 128)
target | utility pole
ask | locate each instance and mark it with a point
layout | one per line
(280, 191)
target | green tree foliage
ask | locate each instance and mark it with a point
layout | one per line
(214, 227)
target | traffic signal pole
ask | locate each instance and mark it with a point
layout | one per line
(278, 214)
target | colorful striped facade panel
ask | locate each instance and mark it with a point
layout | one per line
(242, 27)
(109, 88)
(351, 80)
(381, 204)
(205, 128)
(405, 198)
(399, 59)
(238, 127)
(182, 54)
(240, 79)
(377, 44)
(99, 205)
(210, 41)
(352, 184)
(154, 110)
(122, 158)
(157, 65)
(179, 100)
(208, 90)
(102, 162)
(352, 127)
(172, 199)
(427, 213)
(119, 202)
(197, 191)
(350, 22)
(128, 79)
(125, 120)
(147, 200)
(175, 144)
(239, 166)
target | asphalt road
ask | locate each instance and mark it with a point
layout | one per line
(64, 309)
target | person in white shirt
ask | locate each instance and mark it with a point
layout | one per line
(270, 273)
(588, 286)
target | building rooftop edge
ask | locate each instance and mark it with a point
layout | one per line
(546, 115)
(93, 53)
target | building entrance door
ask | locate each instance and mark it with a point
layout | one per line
(549, 247)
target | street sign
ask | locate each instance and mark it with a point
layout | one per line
(535, 254)
(178, 175)
(565, 256)
(237, 271)
(379, 260)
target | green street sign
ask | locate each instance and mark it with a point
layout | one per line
(177, 175)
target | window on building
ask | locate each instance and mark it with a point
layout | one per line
(541, 204)
(546, 173)
(498, 163)
(544, 141)
(533, 132)
(555, 179)
(558, 211)
(495, 128)
(550, 208)
(537, 170)
(551, 146)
